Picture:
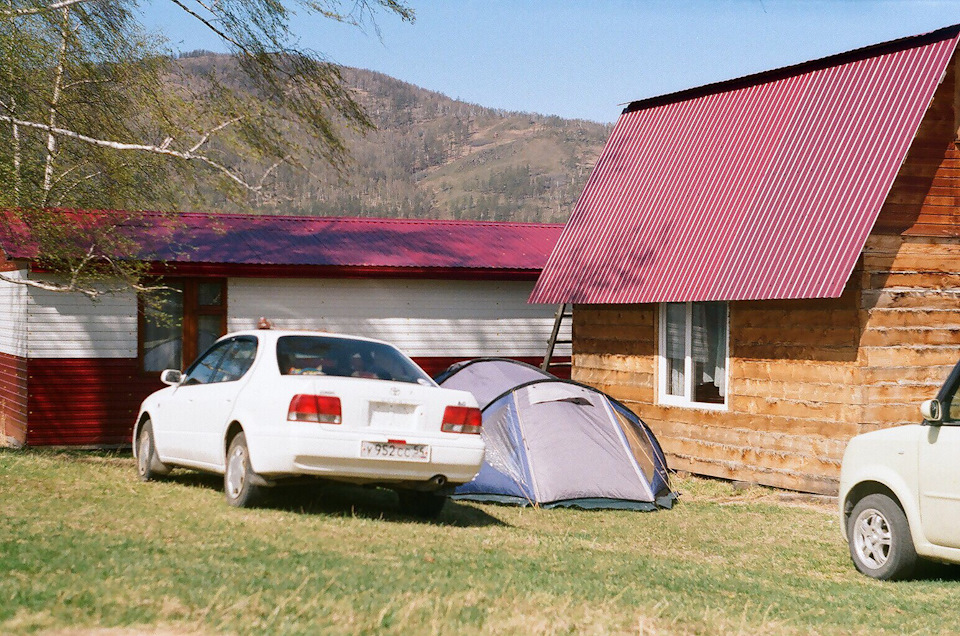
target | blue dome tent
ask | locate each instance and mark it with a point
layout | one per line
(553, 442)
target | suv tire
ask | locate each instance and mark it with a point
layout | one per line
(879, 537)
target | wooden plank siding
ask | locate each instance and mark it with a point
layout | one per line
(793, 386)
(806, 375)
(910, 274)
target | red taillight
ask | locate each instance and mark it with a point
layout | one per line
(322, 409)
(461, 419)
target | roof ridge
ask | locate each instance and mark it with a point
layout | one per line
(761, 77)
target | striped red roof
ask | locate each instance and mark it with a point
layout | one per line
(260, 240)
(758, 188)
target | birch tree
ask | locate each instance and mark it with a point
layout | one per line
(96, 113)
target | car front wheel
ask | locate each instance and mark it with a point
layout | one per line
(238, 476)
(879, 538)
(149, 466)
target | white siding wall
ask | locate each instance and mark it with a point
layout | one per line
(13, 316)
(71, 325)
(422, 317)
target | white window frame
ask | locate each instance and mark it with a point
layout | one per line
(686, 400)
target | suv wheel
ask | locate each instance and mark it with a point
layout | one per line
(879, 538)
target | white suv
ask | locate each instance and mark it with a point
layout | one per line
(900, 490)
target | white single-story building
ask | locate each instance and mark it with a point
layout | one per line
(73, 371)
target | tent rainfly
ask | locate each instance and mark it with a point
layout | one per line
(553, 442)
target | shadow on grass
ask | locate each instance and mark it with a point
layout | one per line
(327, 498)
(931, 572)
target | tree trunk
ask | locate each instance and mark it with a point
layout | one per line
(15, 130)
(54, 102)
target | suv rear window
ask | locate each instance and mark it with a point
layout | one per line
(345, 357)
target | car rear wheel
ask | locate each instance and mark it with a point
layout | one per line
(879, 538)
(425, 505)
(238, 483)
(149, 466)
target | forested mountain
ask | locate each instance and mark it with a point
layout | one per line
(432, 157)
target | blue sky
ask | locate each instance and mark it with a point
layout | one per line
(586, 58)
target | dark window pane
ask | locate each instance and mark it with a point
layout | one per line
(210, 294)
(708, 349)
(323, 355)
(237, 361)
(163, 330)
(202, 371)
(676, 347)
(208, 330)
(953, 408)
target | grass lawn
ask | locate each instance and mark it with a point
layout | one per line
(87, 549)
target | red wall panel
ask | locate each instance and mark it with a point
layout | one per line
(93, 402)
(13, 398)
(90, 401)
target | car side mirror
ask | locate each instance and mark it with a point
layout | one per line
(171, 377)
(931, 411)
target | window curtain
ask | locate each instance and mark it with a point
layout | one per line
(676, 337)
(709, 342)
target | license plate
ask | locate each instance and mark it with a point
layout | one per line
(395, 452)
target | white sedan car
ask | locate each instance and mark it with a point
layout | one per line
(266, 405)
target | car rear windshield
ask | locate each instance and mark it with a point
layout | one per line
(345, 357)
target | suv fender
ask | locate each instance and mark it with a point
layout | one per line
(879, 478)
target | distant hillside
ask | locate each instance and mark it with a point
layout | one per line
(436, 157)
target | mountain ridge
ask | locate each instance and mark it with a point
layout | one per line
(432, 156)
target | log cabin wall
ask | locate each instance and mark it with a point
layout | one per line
(793, 388)
(910, 309)
(806, 375)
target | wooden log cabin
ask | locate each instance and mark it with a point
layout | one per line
(766, 267)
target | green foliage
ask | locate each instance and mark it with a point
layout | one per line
(95, 112)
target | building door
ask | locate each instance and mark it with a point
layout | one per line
(179, 323)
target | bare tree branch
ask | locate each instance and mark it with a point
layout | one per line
(91, 292)
(206, 135)
(162, 149)
(276, 165)
(72, 186)
(86, 81)
(209, 24)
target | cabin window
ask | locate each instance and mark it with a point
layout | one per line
(181, 322)
(693, 354)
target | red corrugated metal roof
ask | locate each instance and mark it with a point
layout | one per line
(240, 239)
(758, 188)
